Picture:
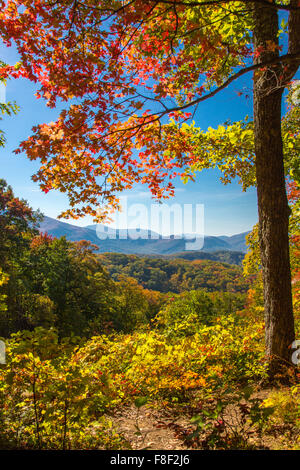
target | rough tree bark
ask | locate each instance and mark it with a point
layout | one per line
(273, 206)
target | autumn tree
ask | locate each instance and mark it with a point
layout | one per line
(70, 277)
(3, 280)
(127, 69)
(18, 224)
(252, 259)
(6, 108)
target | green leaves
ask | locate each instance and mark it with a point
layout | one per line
(53, 401)
(141, 401)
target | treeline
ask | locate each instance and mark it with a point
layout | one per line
(224, 256)
(176, 275)
(51, 282)
(47, 281)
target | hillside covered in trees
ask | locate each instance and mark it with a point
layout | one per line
(90, 338)
(52, 282)
(177, 274)
(149, 243)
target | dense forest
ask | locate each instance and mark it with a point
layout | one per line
(176, 275)
(51, 282)
(90, 335)
(230, 257)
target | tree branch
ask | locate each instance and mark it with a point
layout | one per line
(288, 58)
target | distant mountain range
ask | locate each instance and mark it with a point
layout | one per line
(147, 246)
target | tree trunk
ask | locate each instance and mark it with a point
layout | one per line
(273, 207)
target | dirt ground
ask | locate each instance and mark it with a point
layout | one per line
(154, 428)
(147, 428)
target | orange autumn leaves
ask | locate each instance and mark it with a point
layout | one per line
(117, 67)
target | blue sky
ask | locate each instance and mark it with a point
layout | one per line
(228, 210)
